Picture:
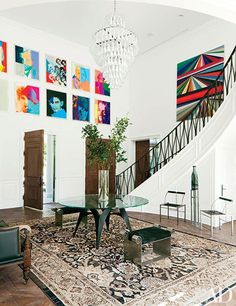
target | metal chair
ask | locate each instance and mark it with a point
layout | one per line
(221, 213)
(174, 201)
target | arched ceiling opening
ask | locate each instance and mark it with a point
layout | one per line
(222, 9)
(78, 20)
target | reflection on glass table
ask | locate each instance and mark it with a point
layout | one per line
(90, 203)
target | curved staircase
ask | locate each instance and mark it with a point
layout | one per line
(185, 132)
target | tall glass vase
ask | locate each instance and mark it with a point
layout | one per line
(103, 185)
(195, 212)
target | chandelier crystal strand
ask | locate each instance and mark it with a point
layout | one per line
(114, 49)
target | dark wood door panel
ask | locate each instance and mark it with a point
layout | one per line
(33, 169)
(142, 166)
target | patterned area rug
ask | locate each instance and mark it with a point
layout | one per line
(79, 274)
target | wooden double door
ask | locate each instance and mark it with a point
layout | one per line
(33, 171)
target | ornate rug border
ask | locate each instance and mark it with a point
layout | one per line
(46, 290)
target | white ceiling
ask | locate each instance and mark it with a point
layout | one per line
(77, 21)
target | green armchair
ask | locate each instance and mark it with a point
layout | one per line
(15, 247)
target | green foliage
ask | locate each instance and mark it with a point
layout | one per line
(101, 151)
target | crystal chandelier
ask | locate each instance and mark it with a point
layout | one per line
(114, 49)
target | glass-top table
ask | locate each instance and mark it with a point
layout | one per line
(90, 203)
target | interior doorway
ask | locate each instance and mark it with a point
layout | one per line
(145, 163)
(49, 168)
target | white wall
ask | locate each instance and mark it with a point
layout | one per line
(69, 145)
(215, 164)
(225, 165)
(153, 78)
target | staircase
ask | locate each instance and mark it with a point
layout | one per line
(183, 133)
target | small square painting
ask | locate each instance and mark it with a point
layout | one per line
(102, 112)
(56, 104)
(101, 87)
(27, 63)
(4, 95)
(27, 99)
(3, 56)
(55, 70)
(80, 77)
(80, 108)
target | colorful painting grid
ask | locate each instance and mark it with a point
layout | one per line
(195, 76)
(80, 77)
(3, 56)
(101, 87)
(4, 95)
(55, 70)
(27, 99)
(102, 112)
(81, 109)
(56, 104)
(27, 62)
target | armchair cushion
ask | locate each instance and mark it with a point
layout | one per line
(5, 261)
(9, 244)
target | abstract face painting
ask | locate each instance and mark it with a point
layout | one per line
(56, 104)
(55, 70)
(3, 56)
(194, 78)
(27, 99)
(80, 108)
(101, 87)
(80, 77)
(27, 63)
(102, 112)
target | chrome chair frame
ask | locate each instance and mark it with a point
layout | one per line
(134, 242)
(211, 213)
(174, 206)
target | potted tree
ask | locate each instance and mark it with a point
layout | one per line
(102, 152)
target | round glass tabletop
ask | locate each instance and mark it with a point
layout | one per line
(90, 201)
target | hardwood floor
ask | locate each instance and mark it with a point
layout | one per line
(223, 235)
(13, 291)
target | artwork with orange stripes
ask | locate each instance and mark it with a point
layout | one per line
(195, 76)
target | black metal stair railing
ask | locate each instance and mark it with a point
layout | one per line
(183, 133)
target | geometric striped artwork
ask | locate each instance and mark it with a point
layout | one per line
(195, 76)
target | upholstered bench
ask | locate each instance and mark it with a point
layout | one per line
(64, 210)
(135, 240)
